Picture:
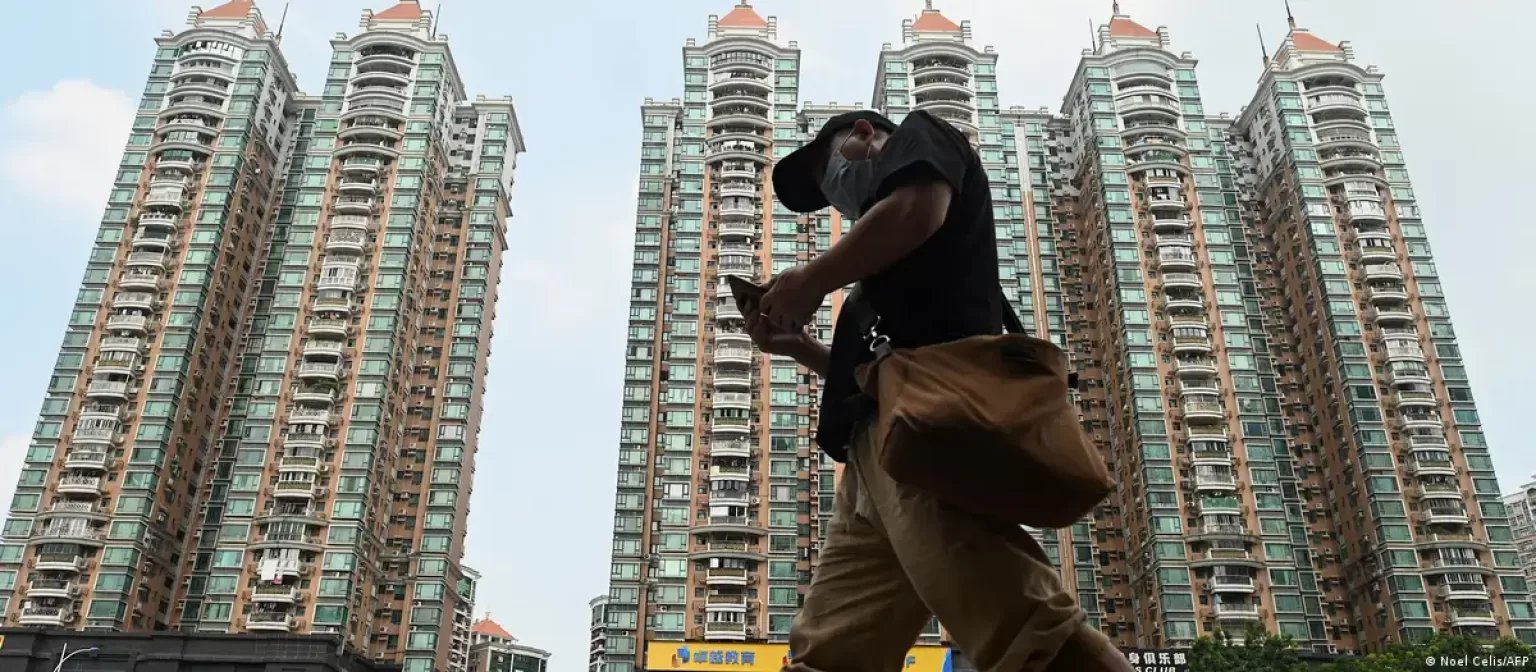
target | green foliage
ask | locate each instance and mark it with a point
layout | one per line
(1414, 656)
(1258, 651)
(1255, 651)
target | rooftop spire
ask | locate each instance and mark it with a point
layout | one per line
(1115, 7)
(1289, 17)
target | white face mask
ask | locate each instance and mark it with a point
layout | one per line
(847, 183)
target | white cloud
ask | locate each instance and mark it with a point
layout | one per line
(13, 453)
(62, 145)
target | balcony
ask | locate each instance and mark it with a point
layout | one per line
(1220, 506)
(1448, 515)
(361, 164)
(148, 282)
(337, 281)
(52, 588)
(1425, 466)
(729, 425)
(1167, 204)
(1415, 397)
(1387, 292)
(1173, 225)
(300, 463)
(93, 460)
(294, 489)
(323, 349)
(153, 239)
(32, 614)
(1184, 280)
(725, 576)
(109, 389)
(70, 531)
(319, 396)
(79, 485)
(1462, 591)
(741, 400)
(147, 259)
(1207, 480)
(309, 416)
(729, 473)
(730, 449)
(730, 496)
(269, 622)
(1387, 314)
(134, 301)
(1175, 258)
(322, 326)
(1383, 272)
(358, 186)
(1435, 491)
(72, 563)
(725, 631)
(1222, 530)
(320, 370)
(1236, 610)
(739, 211)
(275, 594)
(733, 355)
(727, 310)
(338, 304)
(725, 602)
(1473, 618)
(1408, 375)
(165, 193)
(1430, 421)
(355, 205)
(733, 379)
(1206, 411)
(346, 240)
(737, 228)
(1231, 583)
(1194, 366)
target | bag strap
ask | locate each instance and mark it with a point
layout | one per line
(869, 322)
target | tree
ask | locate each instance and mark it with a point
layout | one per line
(1259, 651)
(1256, 651)
(1412, 656)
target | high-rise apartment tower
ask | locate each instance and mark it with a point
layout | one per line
(265, 413)
(1264, 347)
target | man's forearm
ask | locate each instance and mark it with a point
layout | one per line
(814, 356)
(894, 228)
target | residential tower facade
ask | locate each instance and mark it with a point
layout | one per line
(1265, 355)
(300, 458)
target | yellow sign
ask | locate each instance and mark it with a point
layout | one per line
(743, 657)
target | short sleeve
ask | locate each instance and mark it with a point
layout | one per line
(923, 147)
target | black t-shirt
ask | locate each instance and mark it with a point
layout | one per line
(946, 290)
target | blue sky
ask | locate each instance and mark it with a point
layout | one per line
(578, 70)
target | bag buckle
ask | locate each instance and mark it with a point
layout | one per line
(879, 344)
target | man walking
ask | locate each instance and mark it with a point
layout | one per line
(924, 257)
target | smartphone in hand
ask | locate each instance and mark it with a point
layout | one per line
(747, 294)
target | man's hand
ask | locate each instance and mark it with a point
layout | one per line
(791, 300)
(774, 341)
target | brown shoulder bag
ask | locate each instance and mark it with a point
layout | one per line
(985, 424)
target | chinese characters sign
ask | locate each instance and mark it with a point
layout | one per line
(1157, 660)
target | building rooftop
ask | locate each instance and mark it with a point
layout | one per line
(409, 10)
(743, 16)
(486, 626)
(235, 9)
(934, 22)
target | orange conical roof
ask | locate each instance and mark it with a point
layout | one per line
(409, 10)
(931, 21)
(235, 9)
(1123, 27)
(742, 16)
(487, 626)
(1305, 41)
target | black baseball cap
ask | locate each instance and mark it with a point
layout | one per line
(793, 179)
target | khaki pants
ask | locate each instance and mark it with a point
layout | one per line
(895, 556)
